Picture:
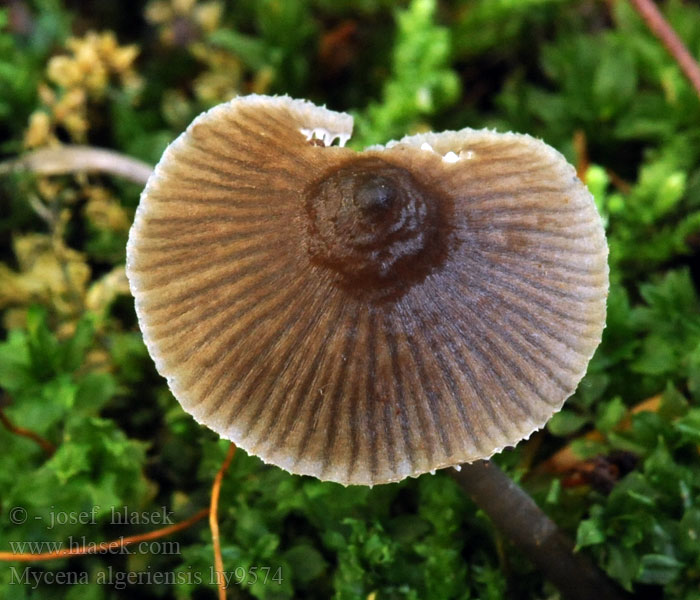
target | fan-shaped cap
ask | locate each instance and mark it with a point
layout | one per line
(363, 317)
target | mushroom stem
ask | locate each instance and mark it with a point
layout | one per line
(74, 159)
(515, 514)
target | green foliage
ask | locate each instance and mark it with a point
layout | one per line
(497, 25)
(74, 369)
(350, 541)
(421, 82)
(21, 63)
(284, 29)
(95, 463)
(646, 530)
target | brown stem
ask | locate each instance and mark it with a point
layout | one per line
(104, 547)
(581, 149)
(46, 446)
(79, 159)
(618, 182)
(214, 521)
(515, 514)
(668, 37)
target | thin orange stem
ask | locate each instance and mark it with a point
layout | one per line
(46, 446)
(618, 182)
(105, 547)
(669, 38)
(214, 521)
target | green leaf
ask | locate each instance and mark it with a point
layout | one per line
(690, 531)
(673, 403)
(615, 79)
(306, 562)
(15, 363)
(94, 391)
(566, 422)
(689, 426)
(75, 347)
(590, 532)
(610, 414)
(659, 569)
(622, 565)
(68, 461)
(43, 347)
(250, 50)
(658, 357)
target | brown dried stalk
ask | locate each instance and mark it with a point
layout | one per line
(46, 446)
(79, 159)
(669, 38)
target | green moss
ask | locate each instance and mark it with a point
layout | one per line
(74, 370)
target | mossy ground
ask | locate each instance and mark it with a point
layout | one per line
(584, 75)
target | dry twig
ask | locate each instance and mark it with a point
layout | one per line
(669, 38)
(79, 159)
(46, 446)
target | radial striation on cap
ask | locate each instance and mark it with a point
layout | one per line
(364, 317)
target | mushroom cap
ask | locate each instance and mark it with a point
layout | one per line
(364, 317)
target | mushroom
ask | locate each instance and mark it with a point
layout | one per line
(364, 317)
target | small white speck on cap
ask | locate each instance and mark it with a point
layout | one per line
(457, 467)
(450, 157)
(426, 146)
